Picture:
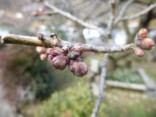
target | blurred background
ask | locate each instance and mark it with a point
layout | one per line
(30, 87)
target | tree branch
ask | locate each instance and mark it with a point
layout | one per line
(46, 13)
(54, 41)
(111, 21)
(123, 10)
(72, 17)
(101, 88)
(143, 12)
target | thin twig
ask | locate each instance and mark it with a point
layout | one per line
(101, 88)
(110, 24)
(72, 17)
(123, 10)
(143, 12)
(46, 13)
(55, 41)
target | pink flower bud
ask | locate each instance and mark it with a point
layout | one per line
(78, 68)
(139, 52)
(74, 54)
(60, 62)
(51, 56)
(142, 33)
(40, 49)
(147, 43)
(78, 47)
(56, 51)
(43, 57)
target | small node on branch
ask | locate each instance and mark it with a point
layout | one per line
(55, 40)
(73, 54)
(53, 35)
(41, 36)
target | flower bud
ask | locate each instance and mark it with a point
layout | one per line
(51, 56)
(43, 57)
(60, 62)
(139, 52)
(78, 68)
(65, 50)
(56, 51)
(76, 60)
(147, 43)
(73, 54)
(40, 49)
(78, 47)
(142, 33)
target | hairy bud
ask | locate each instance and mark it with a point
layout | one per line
(60, 62)
(147, 43)
(78, 68)
(139, 52)
(142, 33)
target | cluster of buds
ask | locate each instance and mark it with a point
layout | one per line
(60, 58)
(144, 43)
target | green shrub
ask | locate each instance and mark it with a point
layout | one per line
(124, 75)
(76, 101)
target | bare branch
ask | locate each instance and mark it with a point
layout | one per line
(101, 87)
(123, 10)
(110, 24)
(143, 12)
(46, 13)
(72, 17)
(55, 41)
